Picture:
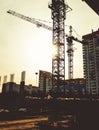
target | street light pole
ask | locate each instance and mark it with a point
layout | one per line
(36, 73)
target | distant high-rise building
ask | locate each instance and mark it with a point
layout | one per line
(45, 81)
(91, 62)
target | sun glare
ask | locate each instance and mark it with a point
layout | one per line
(53, 50)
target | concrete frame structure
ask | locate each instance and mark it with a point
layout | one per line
(91, 62)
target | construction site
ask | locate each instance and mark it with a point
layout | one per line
(55, 92)
(59, 37)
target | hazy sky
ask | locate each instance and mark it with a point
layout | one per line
(24, 47)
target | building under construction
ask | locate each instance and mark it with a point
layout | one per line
(12, 87)
(91, 62)
(45, 81)
(70, 85)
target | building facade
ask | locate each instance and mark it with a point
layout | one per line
(45, 81)
(74, 85)
(91, 62)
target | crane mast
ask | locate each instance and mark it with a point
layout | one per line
(58, 8)
(70, 51)
(70, 54)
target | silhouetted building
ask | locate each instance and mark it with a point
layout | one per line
(12, 87)
(91, 62)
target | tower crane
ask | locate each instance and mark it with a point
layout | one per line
(58, 9)
(58, 61)
(70, 54)
(70, 51)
